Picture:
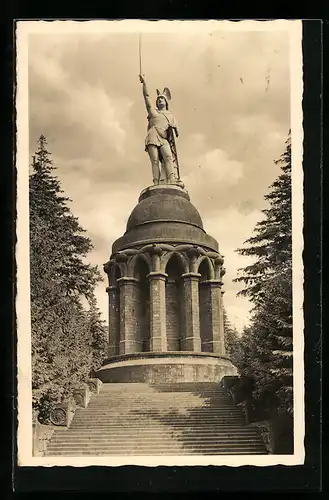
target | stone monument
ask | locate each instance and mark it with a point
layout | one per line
(165, 278)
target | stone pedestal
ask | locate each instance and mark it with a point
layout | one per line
(165, 293)
(166, 367)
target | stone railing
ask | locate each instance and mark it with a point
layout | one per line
(62, 415)
(276, 430)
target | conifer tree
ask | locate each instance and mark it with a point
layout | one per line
(68, 245)
(231, 337)
(266, 345)
(65, 340)
(271, 245)
(98, 335)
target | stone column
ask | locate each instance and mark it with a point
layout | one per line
(217, 317)
(221, 323)
(114, 320)
(128, 315)
(190, 313)
(205, 307)
(158, 311)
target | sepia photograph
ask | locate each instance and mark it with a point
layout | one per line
(159, 243)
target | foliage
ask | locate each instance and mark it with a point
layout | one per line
(68, 341)
(231, 337)
(266, 349)
(98, 332)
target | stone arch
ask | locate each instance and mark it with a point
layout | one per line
(174, 301)
(132, 265)
(205, 268)
(115, 273)
(168, 256)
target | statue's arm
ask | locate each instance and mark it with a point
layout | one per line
(146, 94)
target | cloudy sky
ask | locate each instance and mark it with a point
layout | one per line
(230, 95)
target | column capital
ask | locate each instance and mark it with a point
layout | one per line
(219, 261)
(191, 276)
(112, 288)
(194, 251)
(156, 250)
(120, 257)
(127, 279)
(214, 282)
(157, 275)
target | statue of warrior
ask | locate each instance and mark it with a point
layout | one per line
(160, 138)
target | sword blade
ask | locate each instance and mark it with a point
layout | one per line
(140, 54)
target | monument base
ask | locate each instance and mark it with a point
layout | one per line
(166, 367)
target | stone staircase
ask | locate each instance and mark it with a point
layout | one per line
(167, 419)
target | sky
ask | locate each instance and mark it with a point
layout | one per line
(231, 98)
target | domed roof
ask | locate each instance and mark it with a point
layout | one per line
(164, 204)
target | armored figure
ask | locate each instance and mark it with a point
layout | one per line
(160, 138)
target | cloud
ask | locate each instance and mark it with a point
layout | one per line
(213, 173)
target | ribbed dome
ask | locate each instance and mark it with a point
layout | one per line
(164, 205)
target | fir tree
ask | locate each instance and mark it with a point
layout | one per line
(271, 246)
(66, 338)
(266, 346)
(68, 245)
(98, 335)
(231, 337)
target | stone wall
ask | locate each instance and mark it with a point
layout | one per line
(41, 437)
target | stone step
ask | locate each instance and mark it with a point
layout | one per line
(154, 451)
(137, 430)
(161, 390)
(148, 409)
(161, 396)
(113, 403)
(151, 439)
(186, 386)
(157, 454)
(162, 419)
(145, 411)
(178, 433)
(154, 445)
(158, 415)
(152, 428)
(224, 424)
(131, 387)
(162, 404)
(169, 423)
(165, 392)
(158, 399)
